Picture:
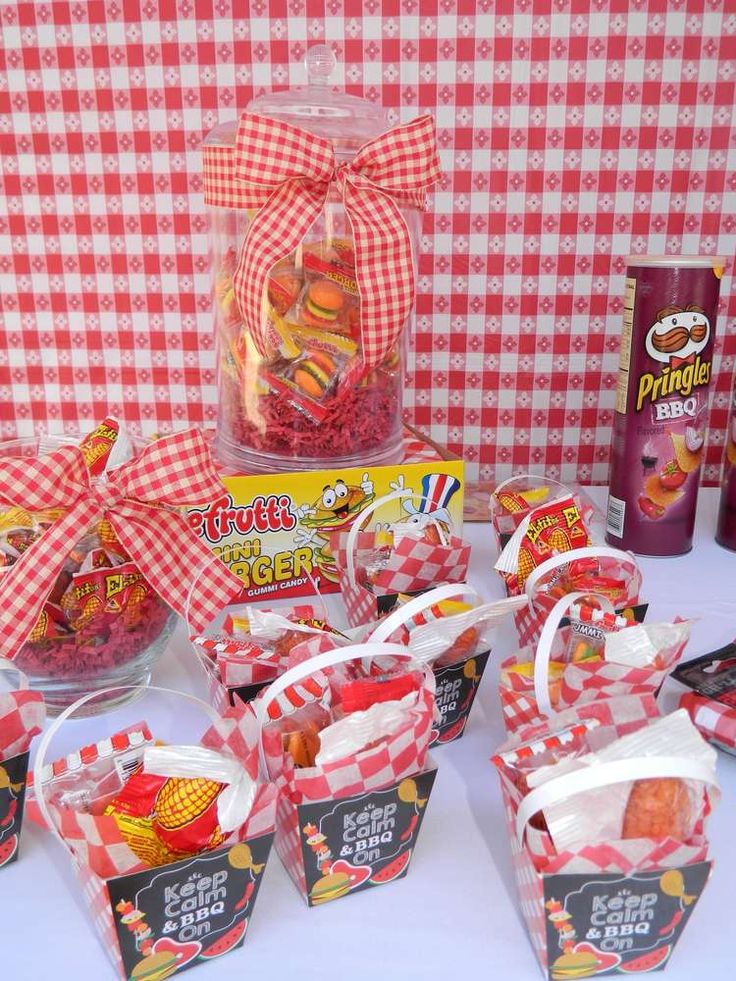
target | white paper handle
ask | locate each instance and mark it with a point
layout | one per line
(546, 639)
(46, 738)
(418, 604)
(22, 683)
(589, 552)
(357, 525)
(604, 775)
(328, 659)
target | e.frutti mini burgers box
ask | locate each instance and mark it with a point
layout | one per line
(274, 530)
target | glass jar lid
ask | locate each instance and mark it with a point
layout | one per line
(346, 120)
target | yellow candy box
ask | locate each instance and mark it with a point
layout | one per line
(273, 530)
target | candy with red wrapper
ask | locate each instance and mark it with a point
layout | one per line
(91, 598)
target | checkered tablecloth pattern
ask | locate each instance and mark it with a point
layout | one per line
(571, 134)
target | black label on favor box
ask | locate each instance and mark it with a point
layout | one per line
(246, 693)
(169, 918)
(12, 796)
(455, 692)
(616, 924)
(362, 841)
(712, 675)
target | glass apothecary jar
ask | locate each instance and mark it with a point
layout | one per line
(314, 230)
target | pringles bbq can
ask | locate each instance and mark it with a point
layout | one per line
(726, 529)
(665, 369)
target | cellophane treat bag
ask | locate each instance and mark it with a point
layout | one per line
(314, 204)
(253, 646)
(168, 841)
(451, 630)
(597, 655)
(410, 550)
(22, 714)
(96, 558)
(546, 522)
(609, 866)
(347, 748)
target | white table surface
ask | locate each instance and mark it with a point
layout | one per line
(455, 913)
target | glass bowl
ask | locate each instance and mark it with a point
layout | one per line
(102, 625)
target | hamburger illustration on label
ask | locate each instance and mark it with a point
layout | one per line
(665, 369)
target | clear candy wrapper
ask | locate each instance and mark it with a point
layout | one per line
(444, 640)
(359, 730)
(550, 529)
(651, 808)
(653, 645)
(590, 628)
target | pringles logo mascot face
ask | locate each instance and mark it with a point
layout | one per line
(678, 335)
(676, 340)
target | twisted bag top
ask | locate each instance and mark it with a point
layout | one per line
(176, 471)
(287, 173)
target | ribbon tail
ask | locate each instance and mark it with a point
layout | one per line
(25, 586)
(182, 570)
(384, 266)
(276, 230)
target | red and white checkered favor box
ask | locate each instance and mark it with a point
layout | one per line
(411, 565)
(234, 673)
(572, 901)
(351, 824)
(715, 721)
(457, 676)
(139, 910)
(22, 715)
(545, 585)
(531, 695)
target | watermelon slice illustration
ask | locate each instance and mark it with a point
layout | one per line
(651, 961)
(227, 942)
(393, 870)
(8, 849)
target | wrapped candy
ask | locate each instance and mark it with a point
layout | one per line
(564, 670)
(89, 599)
(451, 630)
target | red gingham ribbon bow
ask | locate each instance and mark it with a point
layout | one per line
(176, 470)
(287, 173)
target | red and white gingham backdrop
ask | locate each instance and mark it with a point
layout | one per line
(571, 132)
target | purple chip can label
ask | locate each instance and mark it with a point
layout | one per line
(670, 308)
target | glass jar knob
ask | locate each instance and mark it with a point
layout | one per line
(320, 63)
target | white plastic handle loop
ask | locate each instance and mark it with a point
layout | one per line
(546, 639)
(357, 526)
(52, 730)
(589, 552)
(604, 775)
(22, 683)
(418, 604)
(328, 659)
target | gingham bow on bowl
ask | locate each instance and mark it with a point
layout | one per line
(287, 174)
(176, 470)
